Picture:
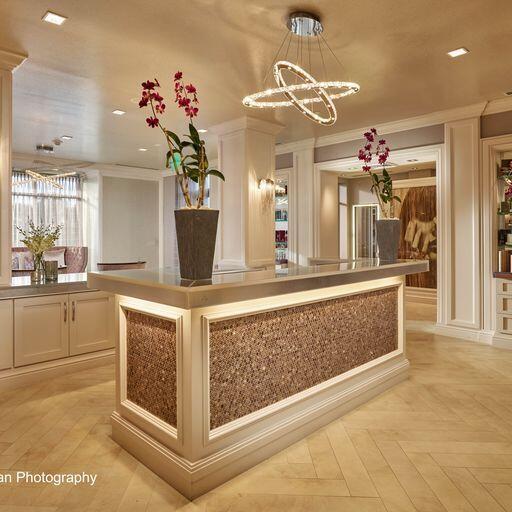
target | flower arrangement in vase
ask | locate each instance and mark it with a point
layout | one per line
(196, 225)
(38, 240)
(388, 228)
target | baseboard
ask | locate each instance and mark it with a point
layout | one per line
(421, 295)
(502, 341)
(25, 375)
(193, 479)
(478, 336)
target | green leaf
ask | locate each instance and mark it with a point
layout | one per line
(396, 198)
(194, 134)
(214, 172)
(174, 137)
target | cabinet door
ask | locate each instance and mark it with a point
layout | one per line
(40, 329)
(6, 334)
(91, 325)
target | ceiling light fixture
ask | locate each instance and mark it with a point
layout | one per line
(66, 137)
(55, 19)
(202, 130)
(458, 52)
(118, 112)
(305, 92)
(44, 178)
(143, 149)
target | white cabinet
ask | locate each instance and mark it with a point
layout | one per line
(57, 326)
(92, 322)
(6, 334)
(40, 329)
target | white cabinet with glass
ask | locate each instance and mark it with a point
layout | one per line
(281, 219)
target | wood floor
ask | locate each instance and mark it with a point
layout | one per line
(440, 441)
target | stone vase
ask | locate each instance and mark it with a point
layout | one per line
(388, 238)
(196, 231)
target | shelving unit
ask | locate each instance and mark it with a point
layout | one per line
(281, 220)
(503, 265)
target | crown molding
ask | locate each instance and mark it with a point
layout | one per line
(291, 147)
(411, 123)
(401, 125)
(246, 123)
(10, 60)
(498, 106)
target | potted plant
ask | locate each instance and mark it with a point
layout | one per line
(388, 227)
(196, 225)
(38, 240)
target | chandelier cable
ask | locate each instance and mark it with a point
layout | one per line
(275, 56)
(333, 54)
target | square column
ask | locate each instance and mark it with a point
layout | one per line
(246, 148)
(8, 62)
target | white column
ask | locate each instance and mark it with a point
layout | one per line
(8, 62)
(246, 149)
(460, 276)
(304, 187)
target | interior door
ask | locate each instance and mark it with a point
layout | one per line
(40, 329)
(91, 325)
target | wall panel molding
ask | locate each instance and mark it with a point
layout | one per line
(460, 196)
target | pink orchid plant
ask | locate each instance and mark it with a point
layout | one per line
(187, 158)
(382, 186)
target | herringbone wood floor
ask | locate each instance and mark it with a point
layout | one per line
(440, 441)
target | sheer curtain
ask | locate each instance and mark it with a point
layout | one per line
(42, 203)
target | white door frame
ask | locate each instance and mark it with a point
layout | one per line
(431, 153)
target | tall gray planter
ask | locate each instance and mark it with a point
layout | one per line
(196, 231)
(388, 238)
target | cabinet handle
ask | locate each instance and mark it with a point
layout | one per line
(65, 311)
(73, 311)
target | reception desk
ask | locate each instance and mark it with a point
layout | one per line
(213, 377)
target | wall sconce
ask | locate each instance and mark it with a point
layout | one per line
(266, 187)
(266, 184)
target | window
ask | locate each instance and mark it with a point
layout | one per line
(42, 203)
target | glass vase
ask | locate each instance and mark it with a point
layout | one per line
(37, 275)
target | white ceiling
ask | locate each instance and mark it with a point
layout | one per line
(78, 73)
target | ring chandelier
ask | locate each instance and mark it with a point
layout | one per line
(304, 26)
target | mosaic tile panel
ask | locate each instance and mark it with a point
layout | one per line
(151, 364)
(260, 359)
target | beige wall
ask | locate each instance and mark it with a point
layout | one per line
(329, 226)
(130, 210)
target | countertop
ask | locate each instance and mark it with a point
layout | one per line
(165, 286)
(22, 287)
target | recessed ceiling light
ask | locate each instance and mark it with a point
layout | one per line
(458, 52)
(66, 137)
(118, 112)
(202, 130)
(143, 149)
(56, 19)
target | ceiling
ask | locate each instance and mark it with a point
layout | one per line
(79, 72)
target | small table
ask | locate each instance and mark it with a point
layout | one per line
(122, 266)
